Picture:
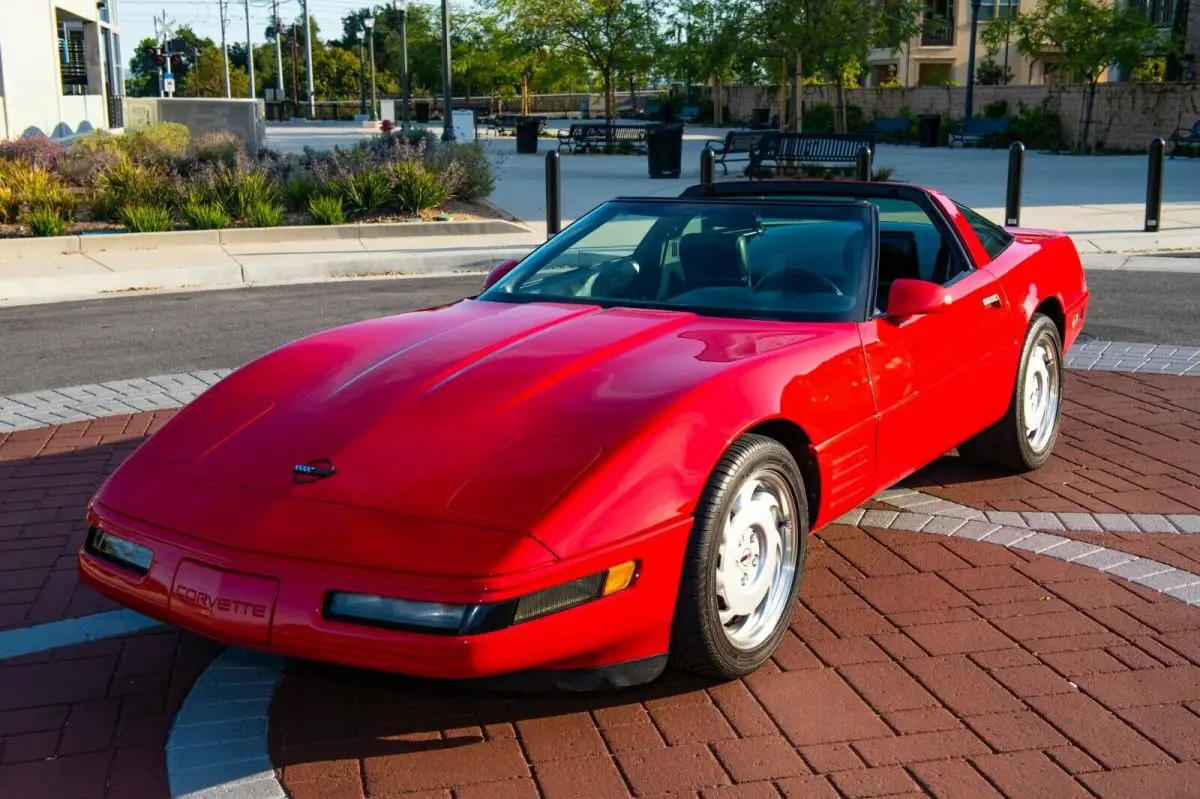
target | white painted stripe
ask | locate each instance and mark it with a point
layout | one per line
(68, 632)
(218, 744)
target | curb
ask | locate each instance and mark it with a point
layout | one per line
(68, 245)
(241, 272)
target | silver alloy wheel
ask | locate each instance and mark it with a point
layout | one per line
(1042, 394)
(756, 559)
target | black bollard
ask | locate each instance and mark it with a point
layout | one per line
(1154, 185)
(708, 166)
(863, 164)
(1016, 176)
(553, 195)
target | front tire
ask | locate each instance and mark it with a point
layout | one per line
(1023, 440)
(744, 562)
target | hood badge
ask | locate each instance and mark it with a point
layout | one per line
(312, 471)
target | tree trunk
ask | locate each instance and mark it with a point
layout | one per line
(610, 94)
(632, 96)
(840, 117)
(1089, 102)
(718, 105)
(798, 102)
(525, 95)
(783, 94)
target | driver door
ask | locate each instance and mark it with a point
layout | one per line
(935, 375)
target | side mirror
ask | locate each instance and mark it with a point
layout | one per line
(916, 297)
(498, 271)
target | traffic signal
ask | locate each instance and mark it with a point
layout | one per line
(156, 55)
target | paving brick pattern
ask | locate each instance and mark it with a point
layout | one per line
(916, 663)
(89, 720)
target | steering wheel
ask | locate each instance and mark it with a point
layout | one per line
(616, 279)
(797, 281)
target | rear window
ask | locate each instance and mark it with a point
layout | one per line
(994, 238)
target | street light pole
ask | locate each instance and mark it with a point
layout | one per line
(362, 73)
(971, 58)
(250, 54)
(278, 53)
(402, 5)
(312, 102)
(447, 124)
(370, 24)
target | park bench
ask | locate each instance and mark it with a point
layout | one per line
(502, 124)
(737, 143)
(980, 130)
(890, 129)
(1187, 138)
(591, 137)
(809, 149)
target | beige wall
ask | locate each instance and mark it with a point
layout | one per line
(1126, 115)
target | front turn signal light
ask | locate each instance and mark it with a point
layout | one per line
(620, 577)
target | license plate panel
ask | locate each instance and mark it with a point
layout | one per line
(234, 606)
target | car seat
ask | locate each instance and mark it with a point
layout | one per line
(898, 259)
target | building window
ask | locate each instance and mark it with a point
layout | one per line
(998, 9)
(1160, 12)
(72, 64)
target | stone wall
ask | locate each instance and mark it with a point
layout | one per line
(246, 118)
(1126, 115)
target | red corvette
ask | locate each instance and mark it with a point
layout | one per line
(610, 458)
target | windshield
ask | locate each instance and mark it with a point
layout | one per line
(762, 259)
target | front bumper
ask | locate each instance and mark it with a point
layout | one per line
(275, 604)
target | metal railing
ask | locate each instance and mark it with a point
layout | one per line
(938, 32)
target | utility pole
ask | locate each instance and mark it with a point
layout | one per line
(312, 105)
(250, 53)
(278, 52)
(447, 123)
(224, 47)
(374, 95)
(295, 80)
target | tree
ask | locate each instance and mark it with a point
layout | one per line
(989, 73)
(716, 35)
(143, 72)
(611, 36)
(1089, 37)
(206, 78)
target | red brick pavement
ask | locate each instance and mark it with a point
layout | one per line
(90, 720)
(915, 664)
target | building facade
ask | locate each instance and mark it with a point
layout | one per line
(60, 67)
(940, 55)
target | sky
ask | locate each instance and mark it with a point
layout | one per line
(203, 16)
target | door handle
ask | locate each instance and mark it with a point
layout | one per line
(992, 301)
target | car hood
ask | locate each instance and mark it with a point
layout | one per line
(479, 412)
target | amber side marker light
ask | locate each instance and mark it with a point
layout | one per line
(620, 577)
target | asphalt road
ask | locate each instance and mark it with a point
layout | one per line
(52, 346)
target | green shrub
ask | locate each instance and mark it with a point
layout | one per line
(203, 215)
(46, 222)
(996, 109)
(10, 206)
(145, 218)
(416, 188)
(475, 177)
(158, 143)
(218, 147)
(252, 191)
(264, 213)
(299, 189)
(126, 184)
(327, 209)
(37, 150)
(33, 187)
(1038, 127)
(365, 191)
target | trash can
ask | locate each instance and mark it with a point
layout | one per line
(527, 135)
(928, 128)
(421, 107)
(664, 149)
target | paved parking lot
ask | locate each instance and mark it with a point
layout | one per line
(919, 662)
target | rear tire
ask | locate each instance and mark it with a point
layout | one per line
(744, 562)
(1024, 439)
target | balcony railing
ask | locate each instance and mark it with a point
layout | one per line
(938, 32)
(1160, 12)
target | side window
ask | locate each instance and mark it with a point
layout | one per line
(994, 238)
